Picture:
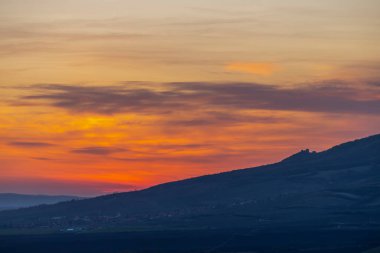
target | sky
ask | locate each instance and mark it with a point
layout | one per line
(102, 96)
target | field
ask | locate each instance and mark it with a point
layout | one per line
(226, 241)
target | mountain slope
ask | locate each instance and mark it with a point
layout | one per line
(14, 201)
(336, 187)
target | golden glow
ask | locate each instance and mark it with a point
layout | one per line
(262, 69)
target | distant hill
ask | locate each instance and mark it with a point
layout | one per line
(335, 189)
(15, 201)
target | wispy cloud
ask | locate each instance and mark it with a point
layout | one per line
(149, 98)
(214, 118)
(23, 144)
(97, 150)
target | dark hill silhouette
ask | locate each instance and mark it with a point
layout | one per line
(336, 188)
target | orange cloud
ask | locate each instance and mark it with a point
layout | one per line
(256, 68)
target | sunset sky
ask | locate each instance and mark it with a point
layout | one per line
(101, 96)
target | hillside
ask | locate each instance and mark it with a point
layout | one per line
(336, 188)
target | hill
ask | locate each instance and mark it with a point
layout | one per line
(335, 189)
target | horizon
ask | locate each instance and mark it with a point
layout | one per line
(231, 170)
(98, 97)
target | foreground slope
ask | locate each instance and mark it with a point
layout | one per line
(339, 188)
